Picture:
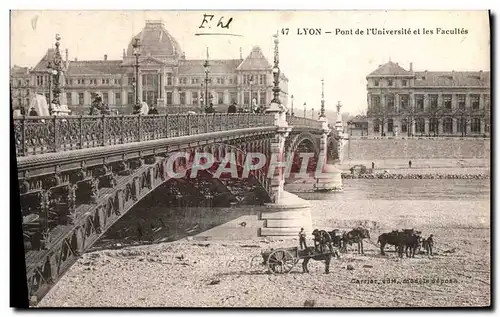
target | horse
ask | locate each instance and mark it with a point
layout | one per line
(307, 255)
(322, 239)
(406, 240)
(336, 239)
(356, 235)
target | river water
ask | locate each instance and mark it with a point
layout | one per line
(400, 202)
(408, 189)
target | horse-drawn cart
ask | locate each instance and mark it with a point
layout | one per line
(283, 260)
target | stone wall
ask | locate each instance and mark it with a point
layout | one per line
(417, 148)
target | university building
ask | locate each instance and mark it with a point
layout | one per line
(166, 78)
(425, 103)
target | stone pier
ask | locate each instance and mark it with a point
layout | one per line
(286, 217)
(288, 212)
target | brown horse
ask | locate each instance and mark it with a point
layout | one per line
(308, 254)
(356, 235)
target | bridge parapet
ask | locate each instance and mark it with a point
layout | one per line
(39, 135)
(304, 122)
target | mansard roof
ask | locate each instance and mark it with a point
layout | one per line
(218, 66)
(453, 78)
(390, 69)
(255, 61)
(19, 71)
(96, 67)
(43, 63)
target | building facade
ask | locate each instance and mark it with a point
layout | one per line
(21, 90)
(166, 78)
(424, 103)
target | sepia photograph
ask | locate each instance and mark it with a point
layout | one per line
(252, 159)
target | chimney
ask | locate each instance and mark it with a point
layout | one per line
(411, 66)
(241, 53)
(76, 59)
(105, 57)
(66, 52)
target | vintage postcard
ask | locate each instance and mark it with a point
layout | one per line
(252, 158)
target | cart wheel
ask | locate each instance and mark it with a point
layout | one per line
(280, 262)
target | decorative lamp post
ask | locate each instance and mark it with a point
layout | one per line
(305, 105)
(275, 105)
(136, 48)
(322, 113)
(55, 70)
(206, 67)
(52, 73)
(292, 105)
(250, 81)
(338, 123)
(312, 113)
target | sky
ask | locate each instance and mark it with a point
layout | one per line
(343, 61)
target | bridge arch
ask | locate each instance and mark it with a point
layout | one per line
(304, 139)
(118, 198)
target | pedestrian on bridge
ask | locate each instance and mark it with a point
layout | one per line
(153, 110)
(232, 108)
(409, 163)
(210, 108)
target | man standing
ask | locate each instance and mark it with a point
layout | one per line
(33, 112)
(210, 108)
(153, 110)
(302, 238)
(409, 163)
(232, 108)
(430, 243)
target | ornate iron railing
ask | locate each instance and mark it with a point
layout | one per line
(303, 122)
(38, 135)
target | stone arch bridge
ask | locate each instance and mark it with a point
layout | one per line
(78, 175)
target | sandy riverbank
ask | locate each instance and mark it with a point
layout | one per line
(221, 273)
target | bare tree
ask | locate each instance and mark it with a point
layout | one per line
(435, 114)
(382, 112)
(486, 114)
(410, 115)
(464, 114)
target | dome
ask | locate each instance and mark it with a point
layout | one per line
(155, 41)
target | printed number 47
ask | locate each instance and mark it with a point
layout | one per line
(285, 31)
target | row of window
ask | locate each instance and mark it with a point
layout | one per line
(198, 81)
(151, 97)
(93, 81)
(474, 102)
(390, 82)
(20, 83)
(152, 80)
(249, 79)
(433, 125)
(105, 98)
